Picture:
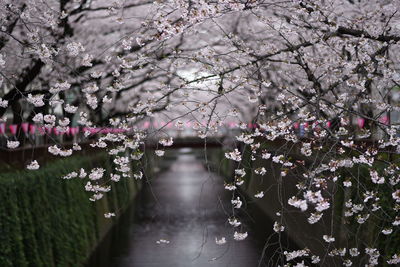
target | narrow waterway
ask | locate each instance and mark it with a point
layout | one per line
(176, 220)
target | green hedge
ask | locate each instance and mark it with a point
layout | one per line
(47, 221)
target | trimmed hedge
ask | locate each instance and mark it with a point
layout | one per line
(47, 221)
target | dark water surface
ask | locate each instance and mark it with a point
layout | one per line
(189, 207)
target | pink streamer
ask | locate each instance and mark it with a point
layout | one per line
(2, 128)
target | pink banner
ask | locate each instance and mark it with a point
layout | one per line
(41, 130)
(49, 130)
(32, 129)
(2, 128)
(25, 127)
(328, 124)
(13, 128)
(55, 131)
(384, 120)
(146, 125)
(361, 122)
(73, 130)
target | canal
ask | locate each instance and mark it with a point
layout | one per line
(175, 221)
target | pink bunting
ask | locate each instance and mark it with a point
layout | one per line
(94, 130)
(32, 129)
(49, 130)
(2, 128)
(361, 122)
(73, 130)
(41, 130)
(328, 124)
(13, 128)
(384, 120)
(146, 125)
(25, 127)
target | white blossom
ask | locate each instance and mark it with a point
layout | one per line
(230, 187)
(38, 118)
(70, 176)
(234, 155)
(115, 177)
(259, 194)
(220, 241)
(108, 215)
(387, 231)
(166, 142)
(328, 239)
(70, 109)
(298, 203)
(159, 153)
(234, 222)
(278, 227)
(36, 100)
(138, 175)
(96, 174)
(396, 195)
(82, 173)
(162, 241)
(237, 203)
(34, 165)
(394, 260)
(12, 144)
(74, 48)
(76, 147)
(239, 236)
(3, 103)
(354, 252)
(2, 61)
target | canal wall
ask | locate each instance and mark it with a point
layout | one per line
(277, 191)
(347, 231)
(48, 221)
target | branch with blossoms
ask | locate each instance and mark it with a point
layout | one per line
(318, 78)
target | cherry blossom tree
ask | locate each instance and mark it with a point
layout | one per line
(320, 76)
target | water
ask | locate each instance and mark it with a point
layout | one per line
(188, 207)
